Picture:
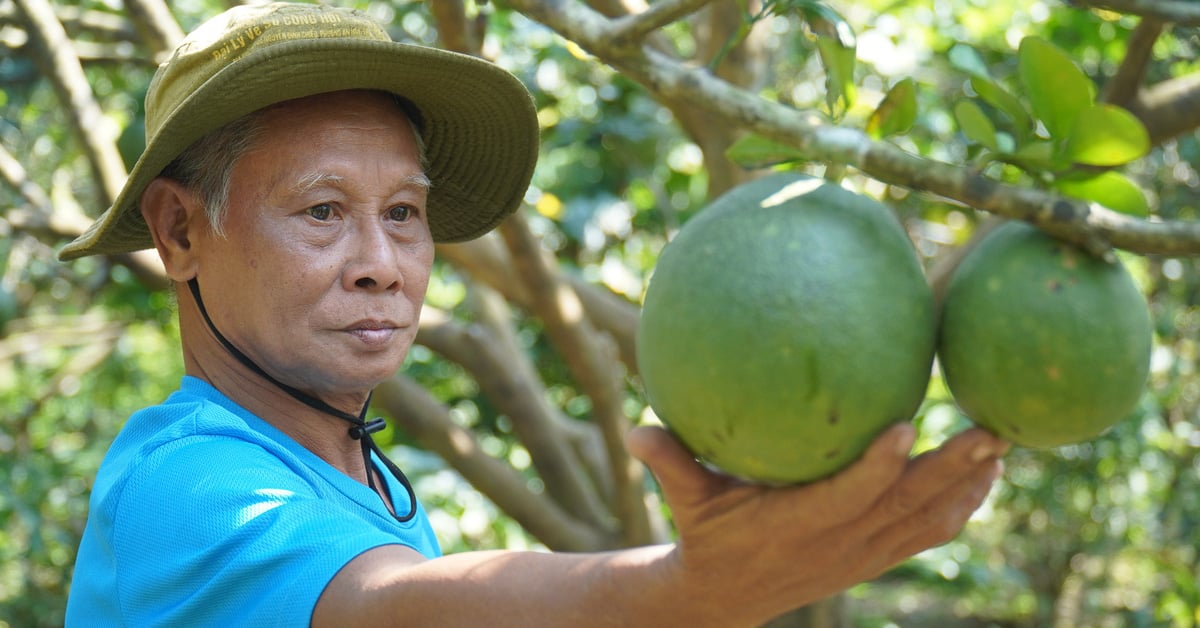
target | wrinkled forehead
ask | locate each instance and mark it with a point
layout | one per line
(331, 140)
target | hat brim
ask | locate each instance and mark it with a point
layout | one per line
(478, 124)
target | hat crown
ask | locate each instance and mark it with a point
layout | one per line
(222, 40)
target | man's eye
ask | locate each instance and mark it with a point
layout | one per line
(399, 213)
(320, 212)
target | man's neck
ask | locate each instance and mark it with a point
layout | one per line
(321, 433)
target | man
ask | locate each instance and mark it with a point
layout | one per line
(299, 168)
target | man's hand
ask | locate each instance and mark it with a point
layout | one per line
(762, 551)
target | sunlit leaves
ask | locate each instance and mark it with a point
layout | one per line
(839, 75)
(1003, 101)
(1056, 88)
(975, 124)
(1106, 135)
(756, 151)
(1055, 130)
(897, 113)
(1110, 189)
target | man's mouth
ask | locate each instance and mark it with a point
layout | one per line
(372, 332)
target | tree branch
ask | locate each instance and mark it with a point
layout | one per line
(506, 377)
(99, 24)
(428, 421)
(589, 356)
(633, 29)
(29, 338)
(1087, 224)
(158, 28)
(494, 313)
(1124, 86)
(486, 260)
(55, 52)
(15, 176)
(1169, 108)
(1185, 12)
(64, 223)
(453, 28)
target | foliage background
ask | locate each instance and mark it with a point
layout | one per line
(1098, 534)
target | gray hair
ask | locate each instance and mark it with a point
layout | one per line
(206, 167)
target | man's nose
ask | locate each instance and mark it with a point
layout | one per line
(374, 261)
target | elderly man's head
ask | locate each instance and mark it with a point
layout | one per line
(326, 249)
(285, 180)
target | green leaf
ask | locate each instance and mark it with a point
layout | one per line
(1006, 103)
(756, 151)
(1036, 156)
(1110, 189)
(826, 23)
(974, 124)
(1057, 89)
(839, 74)
(967, 59)
(1106, 135)
(896, 113)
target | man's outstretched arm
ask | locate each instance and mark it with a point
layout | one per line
(746, 553)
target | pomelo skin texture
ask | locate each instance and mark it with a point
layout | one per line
(1042, 343)
(784, 327)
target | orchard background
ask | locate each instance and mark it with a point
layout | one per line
(1078, 115)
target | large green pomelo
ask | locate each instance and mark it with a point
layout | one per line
(784, 327)
(1041, 342)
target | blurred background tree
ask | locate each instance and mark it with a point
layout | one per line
(510, 410)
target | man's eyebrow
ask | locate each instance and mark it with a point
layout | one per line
(312, 180)
(420, 180)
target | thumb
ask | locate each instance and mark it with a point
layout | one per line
(682, 478)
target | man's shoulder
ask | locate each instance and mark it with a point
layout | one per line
(183, 443)
(192, 415)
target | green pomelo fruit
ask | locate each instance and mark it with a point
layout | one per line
(1041, 342)
(784, 327)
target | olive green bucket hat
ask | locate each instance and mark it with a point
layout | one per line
(477, 121)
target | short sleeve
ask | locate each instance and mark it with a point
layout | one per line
(219, 531)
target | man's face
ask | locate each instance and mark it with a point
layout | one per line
(327, 252)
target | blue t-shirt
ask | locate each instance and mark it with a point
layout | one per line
(203, 514)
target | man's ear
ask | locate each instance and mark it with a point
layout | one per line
(175, 217)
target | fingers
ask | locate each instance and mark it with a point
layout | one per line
(937, 523)
(935, 527)
(851, 492)
(931, 475)
(933, 501)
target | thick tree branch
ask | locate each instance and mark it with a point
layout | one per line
(455, 31)
(428, 421)
(30, 338)
(633, 29)
(494, 313)
(486, 260)
(1124, 86)
(506, 377)
(159, 29)
(99, 25)
(1167, 109)
(1185, 12)
(15, 176)
(56, 54)
(1087, 224)
(1170, 108)
(590, 357)
(67, 222)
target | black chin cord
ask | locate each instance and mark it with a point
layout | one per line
(360, 430)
